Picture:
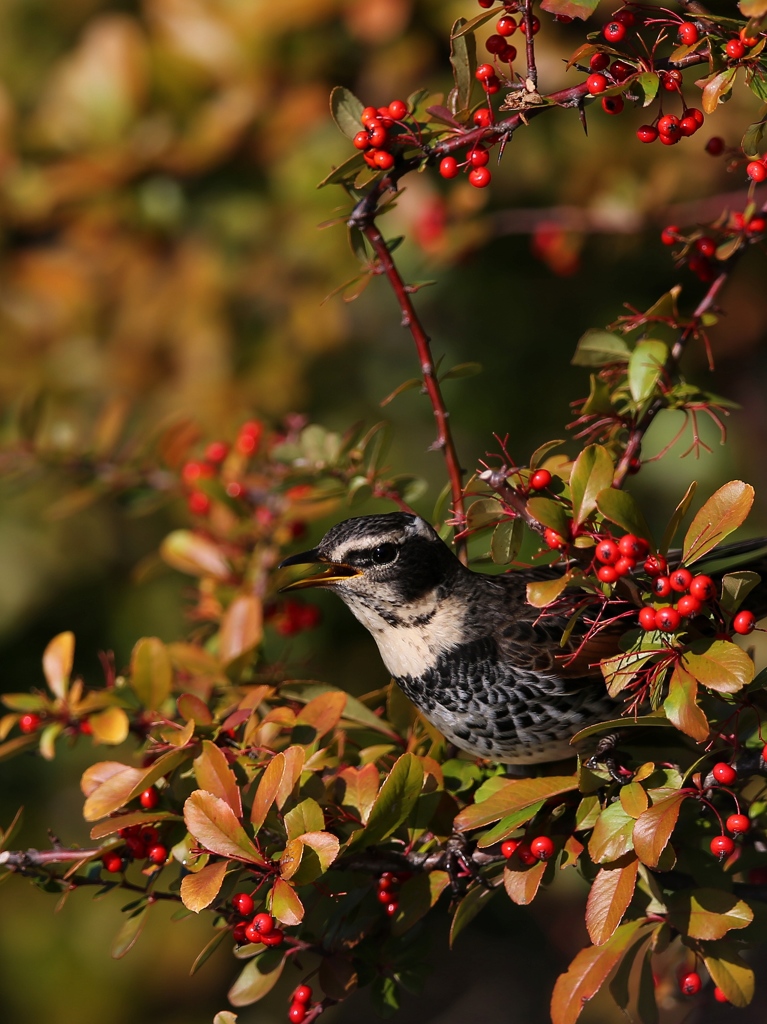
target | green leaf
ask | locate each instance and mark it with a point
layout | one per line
(539, 595)
(407, 385)
(347, 171)
(736, 586)
(592, 473)
(416, 897)
(306, 816)
(285, 904)
(129, 932)
(589, 971)
(600, 348)
(612, 835)
(198, 890)
(345, 109)
(397, 798)
(507, 540)
(649, 84)
(463, 52)
(480, 19)
(753, 138)
(679, 513)
(681, 707)
(652, 830)
(542, 451)
(645, 368)
(257, 978)
(509, 824)
(621, 508)
(462, 370)
(550, 513)
(719, 665)
(151, 672)
(724, 512)
(515, 794)
(471, 904)
(620, 669)
(484, 511)
(729, 972)
(716, 88)
(582, 9)
(609, 897)
(214, 825)
(707, 914)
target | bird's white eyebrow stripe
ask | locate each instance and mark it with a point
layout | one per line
(358, 544)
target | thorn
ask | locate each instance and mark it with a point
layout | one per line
(582, 116)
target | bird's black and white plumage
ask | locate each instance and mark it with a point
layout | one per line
(476, 659)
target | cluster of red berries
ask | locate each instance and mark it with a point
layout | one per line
(690, 592)
(496, 43)
(669, 128)
(374, 139)
(195, 471)
(142, 842)
(291, 617)
(618, 558)
(690, 984)
(528, 851)
(387, 891)
(260, 928)
(300, 1004)
(700, 252)
(737, 824)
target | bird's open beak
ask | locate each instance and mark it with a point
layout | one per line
(331, 572)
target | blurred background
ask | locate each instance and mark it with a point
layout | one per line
(161, 259)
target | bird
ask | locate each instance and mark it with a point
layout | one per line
(480, 663)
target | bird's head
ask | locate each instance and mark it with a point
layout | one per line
(392, 559)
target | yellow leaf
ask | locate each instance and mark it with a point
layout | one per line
(199, 890)
(57, 663)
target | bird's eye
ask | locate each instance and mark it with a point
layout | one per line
(383, 554)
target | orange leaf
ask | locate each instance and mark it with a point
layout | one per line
(358, 790)
(107, 789)
(241, 627)
(522, 883)
(294, 763)
(192, 554)
(215, 826)
(266, 793)
(324, 712)
(609, 897)
(721, 514)
(212, 771)
(198, 890)
(681, 707)
(57, 663)
(652, 830)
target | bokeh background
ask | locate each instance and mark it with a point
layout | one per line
(161, 259)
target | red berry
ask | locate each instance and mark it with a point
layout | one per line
(149, 799)
(216, 451)
(607, 574)
(303, 994)
(157, 854)
(506, 26)
(614, 31)
(744, 623)
(485, 3)
(483, 117)
(620, 70)
(199, 503)
(720, 996)
(377, 134)
(249, 437)
(756, 170)
(688, 33)
(612, 104)
(384, 896)
(387, 881)
(647, 617)
(484, 72)
(542, 848)
(263, 923)
(194, 471)
(680, 580)
(296, 1013)
(702, 587)
(541, 478)
(715, 146)
(383, 159)
(696, 115)
(553, 540)
(756, 226)
(688, 126)
(369, 113)
(631, 546)
(670, 235)
(509, 847)
(724, 773)
(687, 605)
(238, 932)
(495, 43)
(448, 167)
(627, 18)
(491, 86)
(508, 54)
(479, 156)
(397, 110)
(361, 140)
(29, 723)
(136, 847)
(274, 938)
(671, 140)
(671, 80)
(391, 908)
(598, 61)
(661, 586)
(721, 846)
(655, 565)
(112, 862)
(596, 83)
(243, 903)
(607, 551)
(668, 124)
(738, 824)
(479, 177)
(525, 853)
(234, 489)
(735, 49)
(535, 25)
(150, 836)
(624, 565)
(668, 619)
(706, 246)
(646, 133)
(690, 984)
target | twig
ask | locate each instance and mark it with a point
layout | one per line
(527, 17)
